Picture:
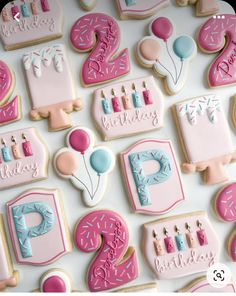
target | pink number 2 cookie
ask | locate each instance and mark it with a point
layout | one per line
(101, 34)
(106, 231)
(218, 34)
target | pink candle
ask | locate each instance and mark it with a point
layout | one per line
(15, 11)
(45, 5)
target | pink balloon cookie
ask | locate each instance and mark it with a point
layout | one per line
(168, 55)
(8, 276)
(86, 166)
(128, 108)
(152, 176)
(180, 245)
(106, 232)
(37, 225)
(203, 7)
(101, 34)
(218, 35)
(51, 64)
(24, 23)
(196, 119)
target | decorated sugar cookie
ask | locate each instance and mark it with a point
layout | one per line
(139, 9)
(203, 7)
(201, 285)
(128, 108)
(88, 4)
(51, 64)
(86, 166)
(100, 33)
(218, 35)
(152, 177)
(9, 111)
(24, 23)
(8, 276)
(115, 263)
(196, 119)
(145, 288)
(37, 226)
(180, 245)
(23, 158)
(167, 54)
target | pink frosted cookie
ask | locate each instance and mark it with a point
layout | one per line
(101, 34)
(23, 158)
(106, 232)
(128, 108)
(152, 177)
(139, 9)
(218, 35)
(203, 7)
(86, 166)
(51, 64)
(24, 23)
(37, 225)
(8, 276)
(168, 55)
(201, 285)
(180, 245)
(9, 111)
(196, 119)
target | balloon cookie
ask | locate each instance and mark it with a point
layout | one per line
(218, 35)
(25, 23)
(101, 34)
(51, 64)
(196, 119)
(115, 264)
(203, 7)
(88, 4)
(168, 55)
(86, 166)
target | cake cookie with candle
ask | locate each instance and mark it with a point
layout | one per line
(86, 166)
(28, 22)
(167, 54)
(203, 7)
(196, 119)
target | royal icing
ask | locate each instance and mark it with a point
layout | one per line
(101, 33)
(107, 231)
(139, 9)
(35, 218)
(201, 285)
(176, 261)
(152, 176)
(84, 165)
(218, 35)
(55, 281)
(141, 108)
(88, 4)
(203, 7)
(18, 165)
(167, 54)
(39, 21)
(8, 277)
(51, 64)
(198, 118)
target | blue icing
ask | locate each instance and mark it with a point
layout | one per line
(180, 242)
(24, 234)
(142, 180)
(101, 160)
(25, 10)
(106, 106)
(137, 100)
(184, 47)
(6, 154)
(130, 2)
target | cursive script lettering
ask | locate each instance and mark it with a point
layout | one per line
(19, 168)
(224, 66)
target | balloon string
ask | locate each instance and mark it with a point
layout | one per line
(166, 70)
(83, 185)
(99, 178)
(167, 48)
(180, 72)
(91, 182)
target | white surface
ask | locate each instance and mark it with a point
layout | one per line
(199, 196)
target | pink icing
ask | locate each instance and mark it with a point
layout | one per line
(54, 284)
(79, 140)
(107, 231)
(6, 81)
(162, 27)
(100, 66)
(211, 38)
(202, 237)
(169, 245)
(226, 203)
(116, 104)
(10, 112)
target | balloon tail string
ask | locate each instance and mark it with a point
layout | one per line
(166, 70)
(99, 178)
(91, 182)
(180, 72)
(83, 185)
(167, 48)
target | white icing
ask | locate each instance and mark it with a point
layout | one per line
(4, 270)
(44, 56)
(59, 273)
(209, 104)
